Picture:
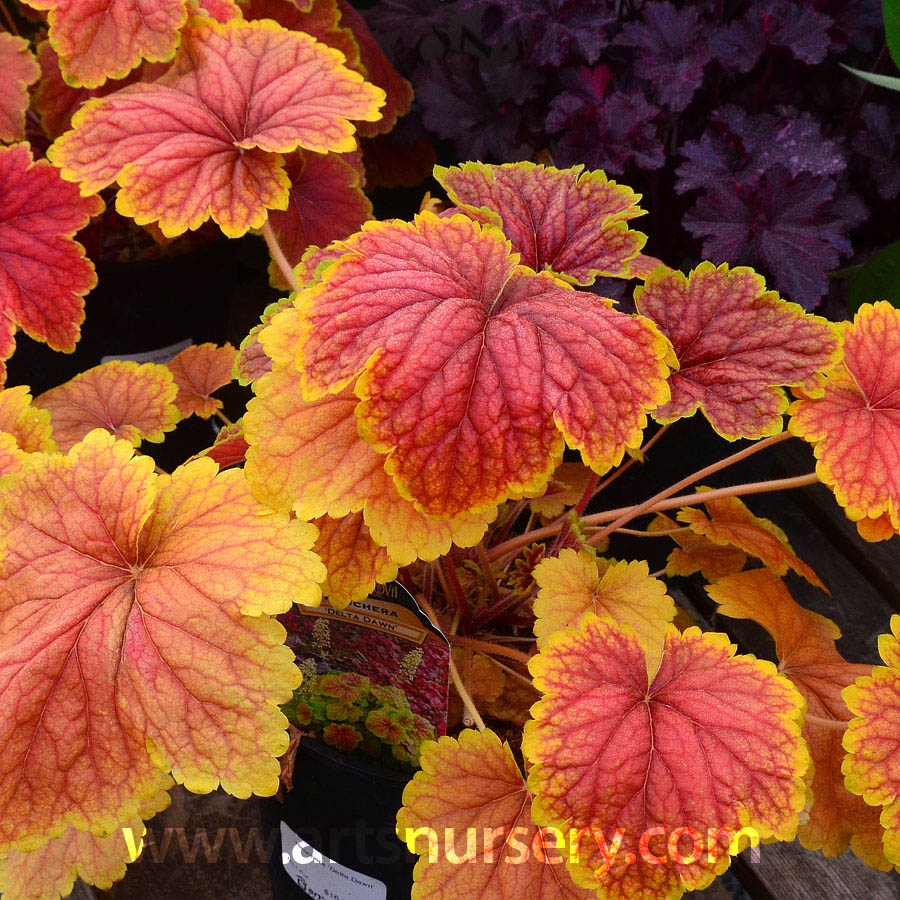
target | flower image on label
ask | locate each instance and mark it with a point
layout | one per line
(323, 878)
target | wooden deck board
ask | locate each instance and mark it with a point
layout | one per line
(788, 872)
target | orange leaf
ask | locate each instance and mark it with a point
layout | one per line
(199, 371)
(698, 554)
(483, 678)
(337, 24)
(805, 645)
(876, 529)
(11, 456)
(475, 372)
(28, 425)
(736, 343)
(575, 583)
(568, 221)
(730, 523)
(309, 457)
(182, 153)
(355, 563)
(473, 787)
(50, 871)
(566, 488)
(872, 741)
(18, 71)
(130, 400)
(136, 636)
(44, 274)
(326, 204)
(100, 41)
(854, 426)
(679, 760)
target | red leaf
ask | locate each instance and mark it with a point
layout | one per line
(475, 371)
(44, 274)
(57, 101)
(229, 448)
(693, 750)
(571, 222)
(196, 144)
(326, 203)
(337, 24)
(18, 71)
(736, 343)
(855, 425)
(320, 18)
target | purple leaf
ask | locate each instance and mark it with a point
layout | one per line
(553, 32)
(785, 224)
(856, 22)
(793, 24)
(477, 105)
(407, 20)
(606, 133)
(742, 147)
(674, 46)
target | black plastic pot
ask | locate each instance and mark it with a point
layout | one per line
(337, 830)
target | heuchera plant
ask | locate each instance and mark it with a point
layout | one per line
(415, 392)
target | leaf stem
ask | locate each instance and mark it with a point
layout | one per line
(223, 418)
(488, 572)
(665, 532)
(278, 255)
(594, 488)
(695, 499)
(687, 481)
(526, 681)
(457, 592)
(736, 490)
(489, 648)
(831, 724)
(465, 696)
(10, 22)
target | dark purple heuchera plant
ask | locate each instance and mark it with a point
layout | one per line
(739, 105)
